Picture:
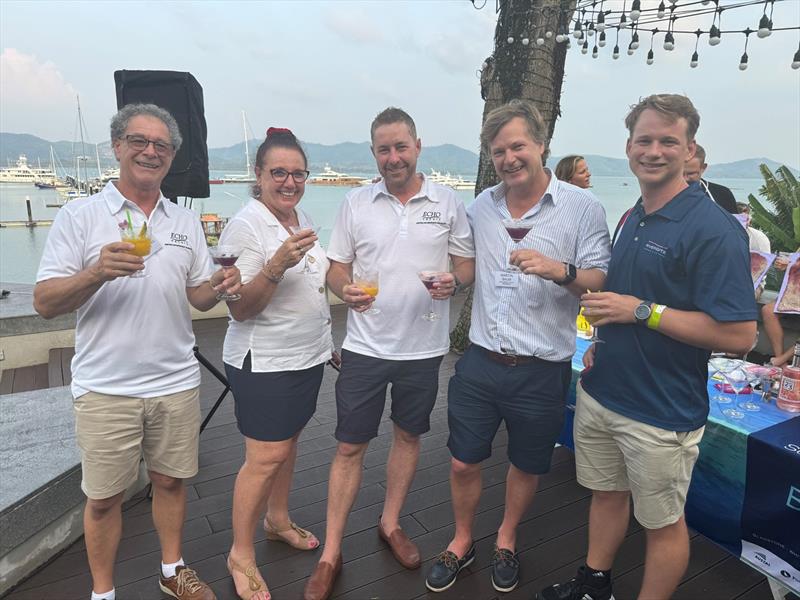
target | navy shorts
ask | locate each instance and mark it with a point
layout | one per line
(529, 397)
(273, 406)
(361, 395)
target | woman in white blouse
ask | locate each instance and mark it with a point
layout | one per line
(278, 340)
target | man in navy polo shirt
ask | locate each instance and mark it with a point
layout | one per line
(678, 285)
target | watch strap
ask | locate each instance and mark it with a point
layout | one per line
(572, 273)
(655, 316)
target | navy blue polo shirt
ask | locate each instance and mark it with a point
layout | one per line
(690, 255)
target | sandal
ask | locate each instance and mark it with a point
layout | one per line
(308, 540)
(257, 587)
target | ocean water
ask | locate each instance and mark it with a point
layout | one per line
(21, 247)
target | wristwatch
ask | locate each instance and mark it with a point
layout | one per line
(642, 312)
(572, 273)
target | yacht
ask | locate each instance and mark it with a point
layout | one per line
(22, 173)
(331, 177)
(455, 182)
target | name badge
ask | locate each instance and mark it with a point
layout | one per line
(509, 279)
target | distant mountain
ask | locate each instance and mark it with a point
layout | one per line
(37, 151)
(604, 166)
(350, 157)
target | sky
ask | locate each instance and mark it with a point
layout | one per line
(326, 68)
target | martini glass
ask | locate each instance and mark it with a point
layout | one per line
(428, 278)
(720, 365)
(369, 284)
(517, 229)
(738, 380)
(225, 255)
(295, 229)
(141, 240)
(749, 404)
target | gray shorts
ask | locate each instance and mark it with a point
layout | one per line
(361, 395)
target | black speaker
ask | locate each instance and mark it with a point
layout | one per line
(182, 95)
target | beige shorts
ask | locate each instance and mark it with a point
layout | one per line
(114, 432)
(615, 453)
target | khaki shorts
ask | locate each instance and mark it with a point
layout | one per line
(114, 432)
(615, 453)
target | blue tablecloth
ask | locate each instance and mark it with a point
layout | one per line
(745, 490)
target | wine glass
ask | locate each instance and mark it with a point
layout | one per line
(592, 319)
(141, 240)
(225, 255)
(517, 229)
(295, 229)
(428, 278)
(368, 281)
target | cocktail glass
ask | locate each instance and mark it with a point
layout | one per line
(517, 230)
(368, 281)
(592, 319)
(738, 380)
(720, 365)
(428, 278)
(225, 255)
(142, 243)
(295, 229)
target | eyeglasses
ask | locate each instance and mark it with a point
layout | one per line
(139, 143)
(281, 175)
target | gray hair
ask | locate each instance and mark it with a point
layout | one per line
(502, 115)
(120, 121)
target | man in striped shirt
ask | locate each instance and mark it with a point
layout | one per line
(518, 368)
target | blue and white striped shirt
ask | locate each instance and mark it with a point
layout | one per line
(536, 318)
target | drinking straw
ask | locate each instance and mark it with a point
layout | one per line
(130, 221)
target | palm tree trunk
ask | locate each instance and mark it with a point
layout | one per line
(516, 70)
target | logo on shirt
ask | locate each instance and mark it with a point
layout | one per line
(431, 217)
(655, 248)
(178, 239)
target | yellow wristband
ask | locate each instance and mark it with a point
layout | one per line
(655, 316)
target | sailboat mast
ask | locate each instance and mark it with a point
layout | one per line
(246, 148)
(82, 157)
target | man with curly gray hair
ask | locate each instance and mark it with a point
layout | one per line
(135, 379)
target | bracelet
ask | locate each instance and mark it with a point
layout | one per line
(655, 316)
(270, 277)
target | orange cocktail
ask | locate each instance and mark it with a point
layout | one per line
(368, 282)
(141, 245)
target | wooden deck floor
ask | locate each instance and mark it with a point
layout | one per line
(552, 537)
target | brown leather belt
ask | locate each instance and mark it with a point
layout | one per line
(510, 360)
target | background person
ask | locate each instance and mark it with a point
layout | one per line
(277, 343)
(573, 169)
(134, 376)
(758, 239)
(693, 171)
(399, 226)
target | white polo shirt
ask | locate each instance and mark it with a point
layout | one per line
(293, 332)
(134, 335)
(374, 231)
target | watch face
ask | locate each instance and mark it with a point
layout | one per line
(642, 312)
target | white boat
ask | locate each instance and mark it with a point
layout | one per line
(249, 175)
(109, 175)
(455, 182)
(331, 177)
(22, 173)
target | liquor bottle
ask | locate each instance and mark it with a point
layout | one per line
(789, 394)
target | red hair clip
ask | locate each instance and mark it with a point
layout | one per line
(278, 130)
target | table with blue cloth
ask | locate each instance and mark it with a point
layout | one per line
(745, 490)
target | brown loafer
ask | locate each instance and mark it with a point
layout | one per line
(320, 584)
(404, 550)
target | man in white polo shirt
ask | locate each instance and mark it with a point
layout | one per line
(134, 376)
(398, 227)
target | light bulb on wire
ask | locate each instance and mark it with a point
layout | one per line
(661, 10)
(796, 59)
(695, 60)
(635, 41)
(714, 36)
(636, 10)
(743, 62)
(602, 39)
(615, 54)
(650, 57)
(669, 41)
(764, 27)
(594, 52)
(585, 47)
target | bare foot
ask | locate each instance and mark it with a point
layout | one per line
(247, 579)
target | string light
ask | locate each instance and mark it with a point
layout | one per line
(589, 17)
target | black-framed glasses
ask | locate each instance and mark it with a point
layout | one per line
(139, 143)
(281, 175)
